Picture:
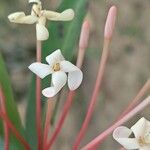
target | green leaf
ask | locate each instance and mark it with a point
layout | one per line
(64, 36)
(11, 106)
(31, 117)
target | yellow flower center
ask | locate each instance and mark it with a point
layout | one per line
(145, 139)
(56, 67)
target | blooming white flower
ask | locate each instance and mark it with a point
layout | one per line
(39, 17)
(141, 139)
(58, 67)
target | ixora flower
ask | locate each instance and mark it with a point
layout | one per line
(141, 139)
(39, 17)
(58, 67)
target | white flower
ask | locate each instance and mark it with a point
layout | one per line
(58, 67)
(141, 139)
(39, 17)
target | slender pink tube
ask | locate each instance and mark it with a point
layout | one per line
(109, 27)
(137, 99)
(14, 130)
(38, 98)
(82, 46)
(6, 128)
(8, 124)
(110, 22)
(124, 119)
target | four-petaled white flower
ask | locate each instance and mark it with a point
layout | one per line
(58, 67)
(141, 139)
(39, 17)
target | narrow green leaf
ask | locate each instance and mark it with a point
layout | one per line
(11, 106)
(31, 117)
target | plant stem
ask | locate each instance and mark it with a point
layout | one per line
(96, 90)
(47, 123)
(124, 119)
(6, 129)
(137, 99)
(68, 103)
(14, 130)
(62, 118)
(83, 43)
(38, 97)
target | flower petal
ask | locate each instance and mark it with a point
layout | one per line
(74, 79)
(41, 32)
(55, 57)
(35, 1)
(139, 127)
(58, 81)
(145, 147)
(50, 14)
(20, 17)
(121, 135)
(147, 126)
(41, 70)
(75, 75)
(64, 16)
(67, 66)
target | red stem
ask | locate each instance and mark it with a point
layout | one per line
(6, 129)
(47, 123)
(96, 90)
(62, 118)
(125, 118)
(38, 99)
(14, 130)
(137, 99)
(84, 37)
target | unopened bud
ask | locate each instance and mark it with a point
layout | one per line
(110, 22)
(84, 36)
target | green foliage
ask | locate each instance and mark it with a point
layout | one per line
(11, 106)
(64, 36)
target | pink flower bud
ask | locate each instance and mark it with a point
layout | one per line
(110, 22)
(84, 36)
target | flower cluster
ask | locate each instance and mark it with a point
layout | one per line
(63, 72)
(58, 67)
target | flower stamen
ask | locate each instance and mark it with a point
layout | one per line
(144, 140)
(56, 67)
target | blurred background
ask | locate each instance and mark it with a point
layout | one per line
(127, 70)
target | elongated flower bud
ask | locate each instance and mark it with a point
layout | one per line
(110, 22)
(84, 36)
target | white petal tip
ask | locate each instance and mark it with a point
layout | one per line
(35, 69)
(41, 32)
(15, 16)
(67, 15)
(35, 1)
(49, 92)
(76, 81)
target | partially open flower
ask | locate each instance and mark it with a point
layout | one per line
(39, 17)
(58, 67)
(141, 131)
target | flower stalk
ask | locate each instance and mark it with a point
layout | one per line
(8, 125)
(137, 99)
(47, 122)
(109, 27)
(6, 128)
(83, 43)
(14, 130)
(121, 121)
(38, 97)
